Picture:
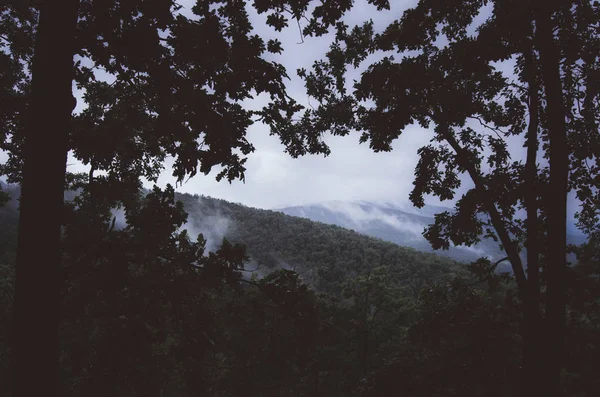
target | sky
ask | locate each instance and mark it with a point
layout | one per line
(273, 179)
(351, 172)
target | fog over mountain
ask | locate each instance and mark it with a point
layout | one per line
(400, 224)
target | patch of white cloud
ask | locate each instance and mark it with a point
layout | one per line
(213, 227)
(362, 215)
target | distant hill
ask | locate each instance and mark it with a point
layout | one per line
(403, 225)
(400, 225)
(326, 242)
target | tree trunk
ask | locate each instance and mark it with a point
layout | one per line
(35, 351)
(556, 201)
(532, 374)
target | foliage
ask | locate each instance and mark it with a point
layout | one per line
(148, 311)
(440, 68)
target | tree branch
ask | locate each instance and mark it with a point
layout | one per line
(492, 269)
(490, 206)
(251, 271)
(112, 225)
(250, 282)
(497, 131)
(301, 35)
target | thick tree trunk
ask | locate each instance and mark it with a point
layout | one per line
(533, 374)
(553, 332)
(531, 172)
(35, 350)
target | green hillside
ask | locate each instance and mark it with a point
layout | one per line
(324, 255)
(131, 298)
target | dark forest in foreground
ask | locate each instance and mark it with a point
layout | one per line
(146, 313)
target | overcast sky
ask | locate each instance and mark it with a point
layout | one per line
(351, 172)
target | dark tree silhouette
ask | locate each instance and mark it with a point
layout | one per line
(446, 76)
(35, 339)
(177, 83)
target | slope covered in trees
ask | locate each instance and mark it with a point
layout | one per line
(131, 298)
(324, 255)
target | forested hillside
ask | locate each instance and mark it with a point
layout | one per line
(392, 224)
(324, 255)
(137, 316)
(267, 332)
(405, 227)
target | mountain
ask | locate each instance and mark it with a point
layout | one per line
(325, 255)
(402, 225)
(325, 239)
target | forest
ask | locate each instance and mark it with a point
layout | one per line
(112, 285)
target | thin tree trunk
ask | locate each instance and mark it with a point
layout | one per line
(531, 325)
(556, 200)
(531, 172)
(35, 351)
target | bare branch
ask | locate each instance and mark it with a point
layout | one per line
(496, 130)
(251, 271)
(112, 226)
(300, 29)
(250, 282)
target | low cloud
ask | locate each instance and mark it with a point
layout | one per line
(362, 215)
(213, 226)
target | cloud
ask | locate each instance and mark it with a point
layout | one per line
(212, 224)
(361, 216)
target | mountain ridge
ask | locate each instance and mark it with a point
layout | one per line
(402, 225)
(325, 255)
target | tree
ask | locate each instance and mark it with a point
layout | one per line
(141, 304)
(373, 296)
(162, 96)
(447, 77)
(173, 85)
(35, 339)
